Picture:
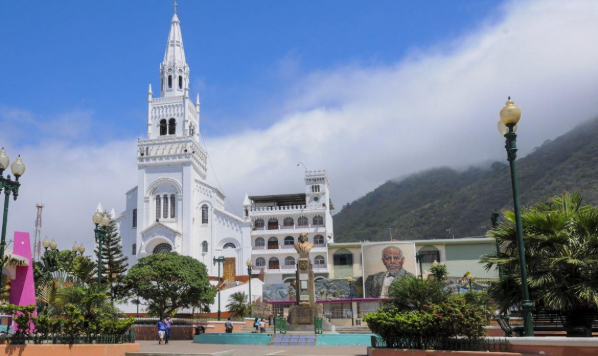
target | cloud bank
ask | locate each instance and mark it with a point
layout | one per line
(363, 124)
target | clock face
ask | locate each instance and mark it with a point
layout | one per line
(180, 71)
(169, 70)
(316, 199)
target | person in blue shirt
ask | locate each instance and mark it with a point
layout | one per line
(168, 323)
(161, 328)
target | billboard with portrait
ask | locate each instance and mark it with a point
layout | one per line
(384, 262)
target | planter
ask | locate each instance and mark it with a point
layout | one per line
(69, 350)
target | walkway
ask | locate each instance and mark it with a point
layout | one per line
(151, 348)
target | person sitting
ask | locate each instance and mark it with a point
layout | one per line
(256, 325)
(262, 326)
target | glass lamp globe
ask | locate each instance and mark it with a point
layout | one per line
(105, 220)
(249, 263)
(46, 243)
(53, 244)
(4, 160)
(18, 167)
(97, 217)
(81, 249)
(510, 114)
(350, 279)
(75, 248)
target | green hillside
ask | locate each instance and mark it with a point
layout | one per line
(429, 204)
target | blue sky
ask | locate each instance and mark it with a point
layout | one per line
(368, 91)
(100, 55)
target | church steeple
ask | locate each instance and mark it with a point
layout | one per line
(174, 71)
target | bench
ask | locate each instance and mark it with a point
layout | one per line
(547, 321)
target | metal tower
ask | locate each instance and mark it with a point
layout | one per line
(38, 233)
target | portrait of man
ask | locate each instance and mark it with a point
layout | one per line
(376, 285)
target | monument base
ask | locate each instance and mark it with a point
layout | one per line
(301, 318)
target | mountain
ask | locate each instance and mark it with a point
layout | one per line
(443, 202)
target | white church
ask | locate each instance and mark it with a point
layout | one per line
(173, 208)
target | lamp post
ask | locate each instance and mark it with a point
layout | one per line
(10, 187)
(509, 117)
(249, 265)
(53, 246)
(101, 222)
(495, 220)
(419, 258)
(219, 261)
(350, 283)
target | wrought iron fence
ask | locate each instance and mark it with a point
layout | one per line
(21, 339)
(441, 343)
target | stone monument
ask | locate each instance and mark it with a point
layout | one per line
(302, 314)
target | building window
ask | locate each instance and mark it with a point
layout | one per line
(162, 127)
(258, 225)
(319, 240)
(158, 207)
(172, 127)
(289, 261)
(318, 221)
(134, 218)
(134, 249)
(273, 224)
(180, 82)
(260, 243)
(315, 188)
(288, 222)
(429, 254)
(204, 214)
(162, 84)
(260, 262)
(273, 263)
(169, 81)
(204, 247)
(320, 262)
(289, 241)
(302, 221)
(273, 243)
(165, 206)
(342, 257)
(172, 203)
(228, 245)
(163, 248)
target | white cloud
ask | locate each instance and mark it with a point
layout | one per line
(363, 124)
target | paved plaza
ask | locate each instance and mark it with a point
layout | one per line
(188, 348)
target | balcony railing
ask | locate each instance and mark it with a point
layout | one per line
(286, 247)
(320, 265)
(280, 248)
(288, 266)
(288, 227)
(259, 247)
(320, 245)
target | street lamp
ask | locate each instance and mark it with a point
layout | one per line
(249, 265)
(419, 258)
(52, 255)
(10, 186)
(350, 283)
(509, 117)
(101, 222)
(219, 261)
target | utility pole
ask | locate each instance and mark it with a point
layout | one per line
(390, 231)
(38, 232)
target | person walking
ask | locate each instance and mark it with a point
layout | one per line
(256, 324)
(168, 322)
(228, 326)
(161, 328)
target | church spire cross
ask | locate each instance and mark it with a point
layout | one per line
(175, 5)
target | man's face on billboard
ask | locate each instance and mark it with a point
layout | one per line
(393, 259)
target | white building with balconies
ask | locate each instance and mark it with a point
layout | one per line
(278, 220)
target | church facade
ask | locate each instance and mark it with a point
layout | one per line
(173, 208)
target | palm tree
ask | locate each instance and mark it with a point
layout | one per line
(237, 304)
(561, 252)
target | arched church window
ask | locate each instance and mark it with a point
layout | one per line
(320, 262)
(165, 207)
(172, 202)
(172, 127)
(273, 224)
(288, 222)
(163, 248)
(258, 225)
(204, 247)
(180, 82)
(134, 218)
(273, 243)
(289, 261)
(318, 221)
(204, 214)
(169, 81)
(319, 240)
(302, 221)
(228, 245)
(134, 249)
(260, 243)
(273, 263)
(162, 84)
(162, 127)
(260, 262)
(158, 207)
(289, 241)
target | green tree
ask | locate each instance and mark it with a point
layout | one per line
(412, 294)
(114, 263)
(561, 252)
(237, 304)
(168, 281)
(439, 271)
